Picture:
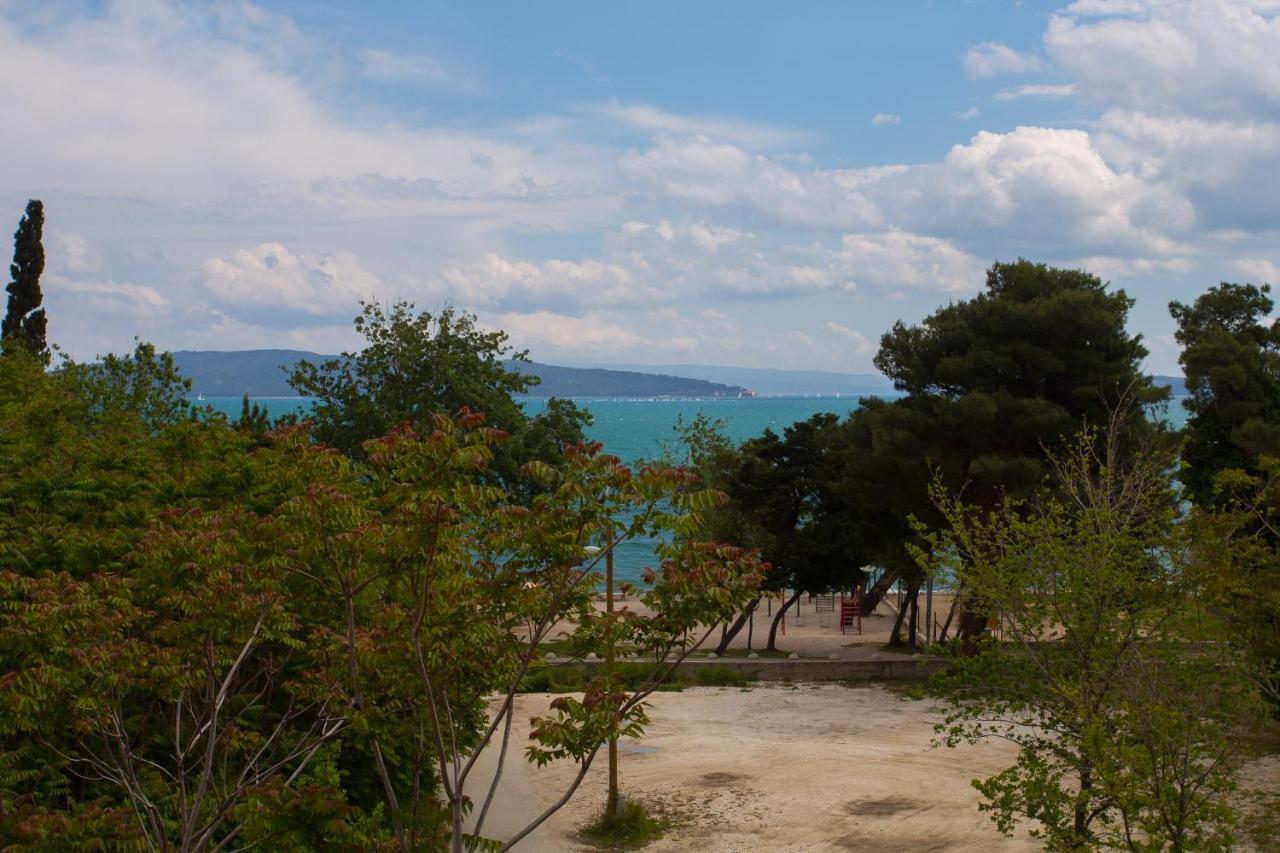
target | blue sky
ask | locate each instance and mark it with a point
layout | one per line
(755, 184)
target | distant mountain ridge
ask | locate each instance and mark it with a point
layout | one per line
(264, 373)
(771, 381)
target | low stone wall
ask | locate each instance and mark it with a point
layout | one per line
(809, 669)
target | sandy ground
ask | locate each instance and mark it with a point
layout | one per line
(809, 767)
(809, 633)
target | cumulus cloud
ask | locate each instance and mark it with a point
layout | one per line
(174, 135)
(108, 296)
(897, 260)
(649, 118)
(670, 335)
(159, 100)
(881, 119)
(1034, 187)
(1210, 58)
(270, 275)
(859, 343)
(1258, 270)
(1037, 90)
(701, 171)
(993, 58)
(654, 264)
(1215, 163)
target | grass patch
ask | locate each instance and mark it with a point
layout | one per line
(719, 675)
(1262, 822)
(632, 827)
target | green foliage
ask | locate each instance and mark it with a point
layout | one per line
(219, 636)
(1231, 358)
(631, 827)
(991, 382)
(1109, 679)
(418, 365)
(144, 385)
(782, 487)
(1237, 566)
(24, 319)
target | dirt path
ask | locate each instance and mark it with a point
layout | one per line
(813, 767)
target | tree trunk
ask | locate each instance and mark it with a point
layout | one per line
(773, 629)
(913, 627)
(970, 626)
(1082, 805)
(726, 637)
(951, 612)
(895, 636)
(872, 598)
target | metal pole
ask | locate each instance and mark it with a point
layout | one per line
(611, 808)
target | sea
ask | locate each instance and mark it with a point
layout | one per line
(640, 428)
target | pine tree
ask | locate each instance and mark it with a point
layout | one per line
(25, 319)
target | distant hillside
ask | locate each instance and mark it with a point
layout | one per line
(776, 382)
(560, 381)
(264, 373)
(256, 372)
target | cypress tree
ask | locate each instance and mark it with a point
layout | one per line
(25, 319)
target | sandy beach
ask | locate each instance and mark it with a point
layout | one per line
(779, 767)
(773, 767)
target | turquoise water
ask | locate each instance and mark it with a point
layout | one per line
(636, 428)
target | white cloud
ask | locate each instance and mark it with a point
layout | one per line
(972, 112)
(881, 119)
(646, 265)
(162, 101)
(110, 296)
(673, 336)
(70, 252)
(893, 261)
(495, 280)
(269, 275)
(990, 59)
(859, 343)
(1112, 267)
(1258, 270)
(1215, 163)
(654, 120)
(1037, 90)
(702, 172)
(418, 71)
(1209, 58)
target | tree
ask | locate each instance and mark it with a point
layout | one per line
(415, 366)
(782, 487)
(1236, 562)
(1121, 715)
(780, 504)
(25, 320)
(1231, 358)
(883, 456)
(990, 382)
(219, 641)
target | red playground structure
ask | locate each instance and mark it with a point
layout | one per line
(851, 610)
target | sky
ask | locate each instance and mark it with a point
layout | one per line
(737, 183)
